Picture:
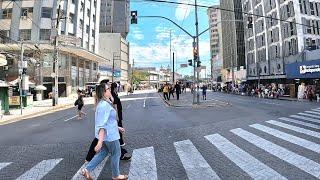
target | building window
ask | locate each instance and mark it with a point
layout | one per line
(73, 1)
(311, 8)
(45, 34)
(94, 18)
(26, 12)
(46, 12)
(25, 34)
(95, 4)
(72, 18)
(93, 33)
(7, 14)
(92, 48)
(81, 24)
(82, 6)
(87, 45)
(88, 13)
(4, 36)
(88, 29)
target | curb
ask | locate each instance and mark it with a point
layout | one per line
(282, 99)
(36, 114)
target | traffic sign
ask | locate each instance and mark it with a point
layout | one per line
(183, 65)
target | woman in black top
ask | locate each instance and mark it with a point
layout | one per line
(79, 102)
(118, 106)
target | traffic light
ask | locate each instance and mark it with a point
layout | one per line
(195, 53)
(250, 25)
(190, 62)
(198, 63)
(134, 19)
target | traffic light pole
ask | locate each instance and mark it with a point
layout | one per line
(198, 56)
(194, 69)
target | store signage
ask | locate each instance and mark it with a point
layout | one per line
(14, 101)
(309, 69)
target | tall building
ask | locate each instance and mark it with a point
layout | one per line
(214, 17)
(115, 17)
(272, 46)
(33, 21)
(232, 36)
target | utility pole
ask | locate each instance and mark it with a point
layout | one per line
(132, 74)
(173, 68)
(55, 63)
(197, 39)
(170, 45)
(194, 69)
(21, 75)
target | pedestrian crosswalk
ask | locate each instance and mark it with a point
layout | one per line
(293, 130)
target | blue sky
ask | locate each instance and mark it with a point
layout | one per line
(150, 38)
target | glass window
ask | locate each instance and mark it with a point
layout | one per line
(82, 6)
(311, 8)
(88, 29)
(93, 33)
(45, 34)
(7, 13)
(26, 12)
(46, 12)
(25, 34)
(4, 36)
(73, 1)
(88, 13)
(71, 18)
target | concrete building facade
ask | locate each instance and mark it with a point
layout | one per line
(216, 52)
(232, 35)
(115, 17)
(272, 44)
(115, 49)
(34, 22)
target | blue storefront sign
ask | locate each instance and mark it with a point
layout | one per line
(302, 70)
(104, 70)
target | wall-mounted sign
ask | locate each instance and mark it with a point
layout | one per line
(309, 69)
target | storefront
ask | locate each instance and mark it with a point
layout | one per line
(303, 75)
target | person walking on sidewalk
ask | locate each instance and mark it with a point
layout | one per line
(171, 91)
(204, 92)
(118, 106)
(107, 133)
(177, 87)
(166, 92)
(79, 102)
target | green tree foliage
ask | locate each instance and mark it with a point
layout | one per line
(139, 76)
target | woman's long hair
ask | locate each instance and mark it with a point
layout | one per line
(100, 90)
(113, 89)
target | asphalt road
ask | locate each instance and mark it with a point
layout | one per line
(173, 143)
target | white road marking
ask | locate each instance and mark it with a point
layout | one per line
(300, 122)
(95, 173)
(309, 115)
(288, 137)
(297, 160)
(143, 164)
(313, 112)
(306, 118)
(71, 118)
(40, 170)
(318, 110)
(3, 165)
(138, 98)
(295, 128)
(249, 164)
(195, 165)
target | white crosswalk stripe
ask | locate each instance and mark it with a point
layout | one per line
(3, 165)
(95, 173)
(195, 165)
(317, 110)
(288, 137)
(306, 118)
(297, 160)
(300, 122)
(143, 164)
(313, 112)
(309, 115)
(249, 164)
(39, 170)
(294, 128)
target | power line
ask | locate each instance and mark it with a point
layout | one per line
(229, 10)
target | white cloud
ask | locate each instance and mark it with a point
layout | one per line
(136, 33)
(159, 53)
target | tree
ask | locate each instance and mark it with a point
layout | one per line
(139, 76)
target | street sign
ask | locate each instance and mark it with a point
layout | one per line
(183, 65)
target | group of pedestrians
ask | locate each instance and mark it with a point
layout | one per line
(108, 131)
(169, 90)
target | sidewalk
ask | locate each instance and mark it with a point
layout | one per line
(186, 100)
(43, 107)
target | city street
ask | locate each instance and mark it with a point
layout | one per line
(245, 140)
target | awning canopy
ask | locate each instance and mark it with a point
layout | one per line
(77, 51)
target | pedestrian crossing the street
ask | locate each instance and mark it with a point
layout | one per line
(293, 130)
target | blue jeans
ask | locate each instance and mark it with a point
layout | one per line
(108, 147)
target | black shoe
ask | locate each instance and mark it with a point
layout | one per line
(125, 158)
